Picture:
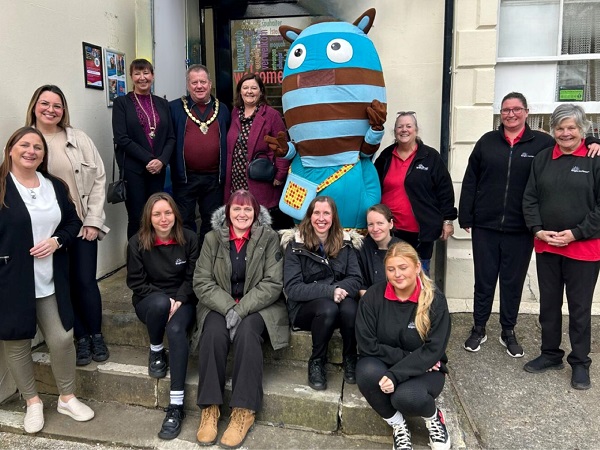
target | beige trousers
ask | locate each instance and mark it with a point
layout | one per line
(62, 352)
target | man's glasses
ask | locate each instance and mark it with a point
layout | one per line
(515, 111)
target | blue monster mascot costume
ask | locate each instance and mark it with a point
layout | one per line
(334, 104)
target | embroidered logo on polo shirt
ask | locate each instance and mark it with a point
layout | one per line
(576, 169)
(179, 261)
(421, 167)
(527, 155)
(411, 325)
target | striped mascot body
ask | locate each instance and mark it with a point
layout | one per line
(334, 106)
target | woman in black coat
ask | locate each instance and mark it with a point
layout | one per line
(321, 279)
(144, 140)
(37, 221)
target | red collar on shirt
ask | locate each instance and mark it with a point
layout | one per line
(158, 242)
(516, 139)
(581, 151)
(390, 294)
(238, 241)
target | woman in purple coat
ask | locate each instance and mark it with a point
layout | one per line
(251, 120)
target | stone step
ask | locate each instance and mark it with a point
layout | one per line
(121, 326)
(129, 426)
(288, 401)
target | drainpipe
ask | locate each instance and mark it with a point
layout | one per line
(441, 246)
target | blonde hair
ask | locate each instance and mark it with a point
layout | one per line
(422, 320)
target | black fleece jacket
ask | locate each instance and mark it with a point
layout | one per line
(386, 330)
(428, 186)
(164, 268)
(564, 194)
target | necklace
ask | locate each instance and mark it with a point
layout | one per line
(32, 193)
(51, 139)
(203, 125)
(152, 134)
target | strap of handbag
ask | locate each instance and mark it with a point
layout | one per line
(113, 164)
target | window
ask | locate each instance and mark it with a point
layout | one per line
(550, 51)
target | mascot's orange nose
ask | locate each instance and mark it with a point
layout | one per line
(325, 77)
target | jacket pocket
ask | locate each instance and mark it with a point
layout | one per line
(89, 173)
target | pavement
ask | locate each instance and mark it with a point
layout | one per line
(489, 400)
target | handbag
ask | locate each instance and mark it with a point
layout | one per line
(297, 194)
(261, 169)
(117, 192)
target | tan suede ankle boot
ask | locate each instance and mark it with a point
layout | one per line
(240, 423)
(207, 431)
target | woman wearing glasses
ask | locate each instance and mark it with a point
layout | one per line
(416, 186)
(491, 207)
(73, 157)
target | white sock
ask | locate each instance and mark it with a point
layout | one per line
(157, 348)
(176, 397)
(396, 419)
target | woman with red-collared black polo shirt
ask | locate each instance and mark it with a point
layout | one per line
(567, 243)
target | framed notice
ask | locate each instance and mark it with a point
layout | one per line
(116, 78)
(92, 66)
(258, 47)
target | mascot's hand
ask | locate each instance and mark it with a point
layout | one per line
(377, 114)
(279, 144)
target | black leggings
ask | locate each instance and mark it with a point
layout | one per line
(154, 312)
(414, 397)
(321, 316)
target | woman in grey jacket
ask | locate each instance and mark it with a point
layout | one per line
(238, 281)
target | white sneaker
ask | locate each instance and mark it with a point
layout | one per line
(75, 409)
(34, 418)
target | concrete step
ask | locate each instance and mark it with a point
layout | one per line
(129, 426)
(288, 400)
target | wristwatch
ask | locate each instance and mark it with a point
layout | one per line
(58, 241)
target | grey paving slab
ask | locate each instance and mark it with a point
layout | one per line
(508, 408)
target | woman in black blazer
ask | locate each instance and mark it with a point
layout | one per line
(38, 221)
(144, 140)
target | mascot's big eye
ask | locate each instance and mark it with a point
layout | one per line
(339, 51)
(296, 57)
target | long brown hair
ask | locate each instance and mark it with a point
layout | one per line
(147, 234)
(30, 119)
(422, 320)
(335, 238)
(7, 162)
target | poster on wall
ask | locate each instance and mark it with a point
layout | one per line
(116, 77)
(92, 66)
(257, 47)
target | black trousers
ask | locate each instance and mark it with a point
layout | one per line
(247, 389)
(85, 295)
(139, 188)
(555, 273)
(201, 189)
(502, 257)
(414, 397)
(154, 312)
(321, 317)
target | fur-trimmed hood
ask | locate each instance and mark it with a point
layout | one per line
(352, 236)
(217, 220)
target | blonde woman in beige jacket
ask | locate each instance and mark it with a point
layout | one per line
(73, 157)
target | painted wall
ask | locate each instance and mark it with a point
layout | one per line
(41, 44)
